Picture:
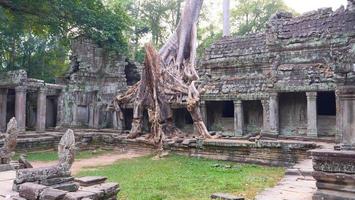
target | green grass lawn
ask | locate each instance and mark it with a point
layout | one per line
(180, 177)
(51, 155)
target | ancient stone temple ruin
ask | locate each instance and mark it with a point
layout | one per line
(94, 78)
(78, 100)
(281, 82)
(33, 102)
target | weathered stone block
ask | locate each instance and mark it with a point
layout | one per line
(17, 198)
(70, 186)
(38, 174)
(108, 189)
(332, 195)
(334, 161)
(5, 167)
(223, 196)
(31, 191)
(90, 180)
(52, 194)
(79, 195)
(340, 178)
(55, 181)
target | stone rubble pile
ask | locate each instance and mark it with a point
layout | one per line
(55, 182)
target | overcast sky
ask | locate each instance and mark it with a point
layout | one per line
(302, 6)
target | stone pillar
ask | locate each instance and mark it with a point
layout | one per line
(41, 110)
(75, 115)
(3, 109)
(203, 109)
(312, 114)
(347, 130)
(20, 107)
(60, 110)
(334, 168)
(265, 128)
(96, 117)
(238, 118)
(274, 113)
(117, 121)
(339, 120)
(91, 116)
(226, 17)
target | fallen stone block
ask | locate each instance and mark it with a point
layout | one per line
(5, 167)
(38, 174)
(100, 193)
(79, 195)
(17, 198)
(90, 180)
(69, 187)
(104, 190)
(223, 196)
(52, 194)
(55, 181)
(31, 191)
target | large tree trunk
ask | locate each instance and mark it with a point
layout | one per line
(167, 77)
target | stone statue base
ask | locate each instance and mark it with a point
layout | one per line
(334, 171)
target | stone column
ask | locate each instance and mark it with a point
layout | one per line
(339, 120)
(96, 117)
(20, 107)
(347, 130)
(91, 116)
(334, 168)
(41, 110)
(75, 115)
(203, 109)
(117, 122)
(238, 118)
(226, 17)
(3, 109)
(265, 104)
(60, 110)
(274, 113)
(312, 114)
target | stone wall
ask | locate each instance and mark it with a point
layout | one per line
(95, 77)
(276, 153)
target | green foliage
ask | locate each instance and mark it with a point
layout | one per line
(180, 177)
(250, 16)
(35, 35)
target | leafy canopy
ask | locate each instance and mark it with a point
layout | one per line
(35, 34)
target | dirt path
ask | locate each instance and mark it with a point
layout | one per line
(98, 161)
(298, 184)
